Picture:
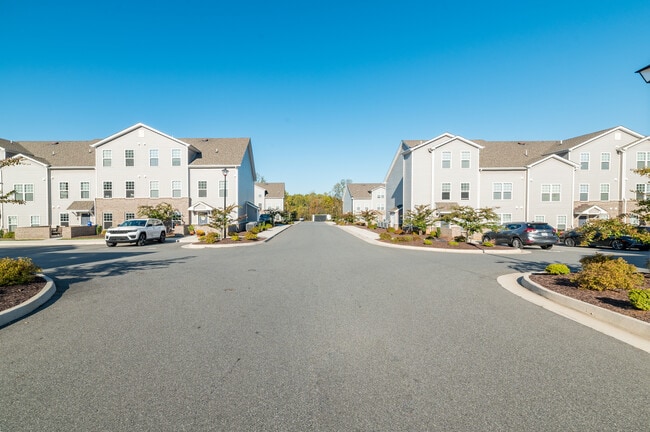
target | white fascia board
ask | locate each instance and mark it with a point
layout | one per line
(634, 143)
(137, 126)
(556, 157)
(617, 128)
(460, 138)
(22, 156)
(427, 142)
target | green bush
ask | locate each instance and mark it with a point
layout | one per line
(250, 235)
(210, 238)
(99, 230)
(557, 269)
(452, 243)
(372, 226)
(390, 229)
(640, 298)
(609, 274)
(488, 244)
(9, 235)
(17, 271)
(403, 238)
(595, 258)
(385, 236)
(460, 239)
(428, 242)
(234, 237)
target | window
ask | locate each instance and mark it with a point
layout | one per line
(502, 191)
(203, 189)
(561, 223)
(584, 192)
(63, 190)
(129, 216)
(604, 191)
(641, 190)
(108, 189)
(130, 189)
(446, 191)
(35, 221)
(108, 220)
(176, 157)
(85, 190)
(446, 159)
(129, 158)
(605, 158)
(505, 217)
(12, 221)
(642, 159)
(464, 159)
(24, 192)
(176, 189)
(584, 161)
(64, 219)
(222, 189)
(153, 157)
(464, 191)
(540, 218)
(154, 192)
(107, 157)
(550, 192)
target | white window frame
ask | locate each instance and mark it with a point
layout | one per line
(222, 189)
(154, 189)
(35, 221)
(445, 158)
(129, 192)
(583, 190)
(129, 157)
(176, 157)
(551, 192)
(561, 222)
(64, 190)
(107, 188)
(446, 186)
(642, 159)
(107, 158)
(129, 216)
(605, 161)
(505, 217)
(584, 161)
(177, 188)
(464, 191)
(107, 220)
(641, 190)
(539, 218)
(154, 159)
(203, 191)
(64, 219)
(84, 190)
(12, 226)
(465, 159)
(604, 191)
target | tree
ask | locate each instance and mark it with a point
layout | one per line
(339, 189)
(163, 211)
(643, 205)
(220, 218)
(259, 178)
(7, 197)
(472, 220)
(369, 216)
(419, 219)
(614, 227)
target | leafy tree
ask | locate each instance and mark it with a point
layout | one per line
(369, 216)
(472, 220)
(339, 189)
(614, 227)
(8, 197)
(163, 211)
(420, 219)
(259, 178)
(222, 218)
(643, 205)
(348, 217)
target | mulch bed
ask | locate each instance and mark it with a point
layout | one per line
(437, 243)
(614, 300)
(14, 295)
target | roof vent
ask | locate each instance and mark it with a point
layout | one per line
(205, 140)
(55, 143)
(216, 150)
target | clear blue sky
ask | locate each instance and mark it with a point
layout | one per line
(325, 89)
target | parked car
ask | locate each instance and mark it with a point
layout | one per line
(573, 238)
(520, 234)
(137, 231)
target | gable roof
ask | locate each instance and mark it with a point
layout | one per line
(511, 154)
(575, 142)
(133, 128)
(219, 151)
(63, 153)
(362, 190)
(273, 190)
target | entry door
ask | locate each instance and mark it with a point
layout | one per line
(203, 218)
(85, 219)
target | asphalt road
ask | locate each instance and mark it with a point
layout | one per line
(314, 330)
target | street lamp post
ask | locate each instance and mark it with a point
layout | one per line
(225, 190)
(645, 73)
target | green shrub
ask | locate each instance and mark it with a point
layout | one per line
(595, 258)
(2, 233)
(250, 235)
(557, 269)
(488, 244)
(460, 239)
(256, 229)
(17, 271)
(200, 233)
(372, 226)
(428, 242)
(209, 238)
(9, 235)
(234, 237)
(190, 228)
(99, 229)
(452, 243)
(390, 229)
(385, 236)
(640, 298)
(609, 274)
(403, 238)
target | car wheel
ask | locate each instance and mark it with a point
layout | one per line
(516, 243)
(142, 239)
(618, 244)
(162, 237)
(111, 244)
(546, 246)
(569, 242)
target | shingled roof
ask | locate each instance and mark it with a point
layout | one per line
(512, 154)
(273, 190)
(362, 190)
(218, 151)
(62, 153)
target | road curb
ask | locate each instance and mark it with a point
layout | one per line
(263, 237)
(639, 328)
(19, 311)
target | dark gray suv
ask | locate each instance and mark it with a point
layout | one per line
(520, 234)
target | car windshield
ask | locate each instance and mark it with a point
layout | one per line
(541, 226)
(134, 222)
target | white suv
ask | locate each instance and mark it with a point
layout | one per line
(136, 231)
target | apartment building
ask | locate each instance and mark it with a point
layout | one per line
(358, 197)
(564, 182)
(103, 182)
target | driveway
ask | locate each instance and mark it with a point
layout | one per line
(314, 330)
